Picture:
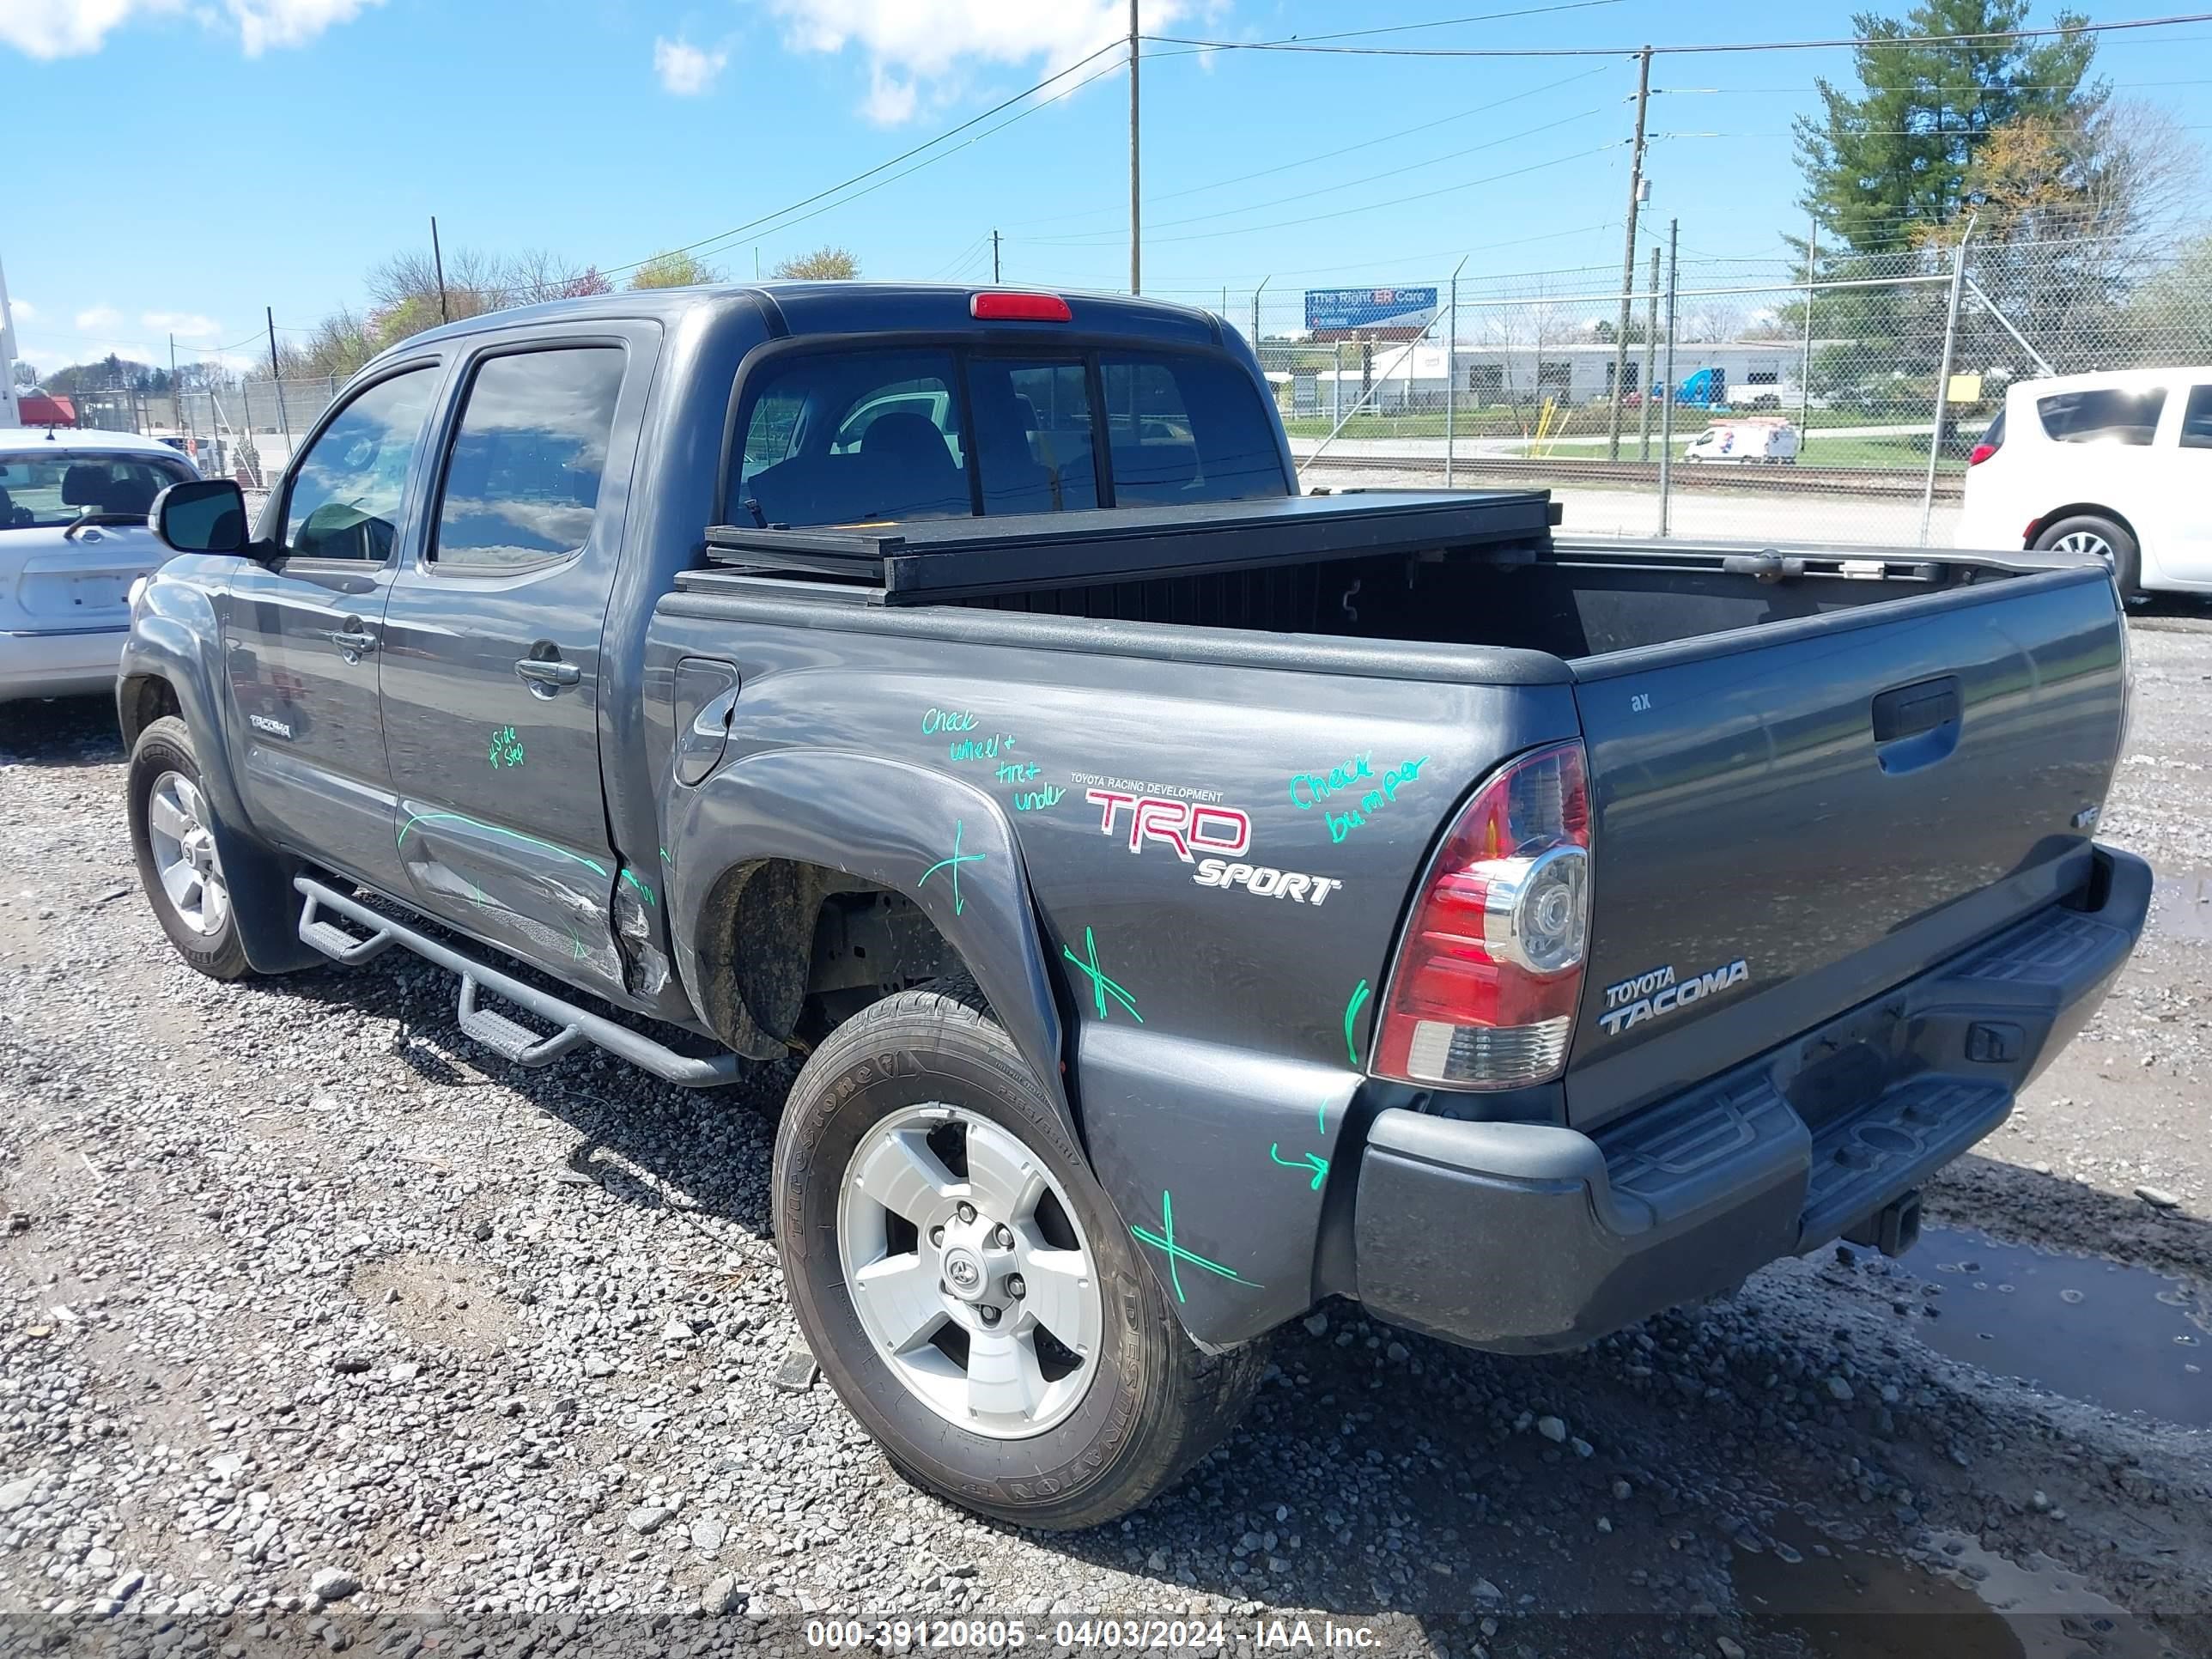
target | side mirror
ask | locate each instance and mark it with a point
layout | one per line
(206, 515)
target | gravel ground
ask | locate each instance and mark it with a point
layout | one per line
(322, 1328)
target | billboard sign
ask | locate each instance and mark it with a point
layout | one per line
(1379, 312)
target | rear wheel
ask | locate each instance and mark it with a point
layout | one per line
(966, 1286)
(2101, 538)
(173, 839)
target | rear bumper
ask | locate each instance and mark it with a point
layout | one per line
(1528, 1238)
(74, 663)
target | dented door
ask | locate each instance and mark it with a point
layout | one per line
(492, 680)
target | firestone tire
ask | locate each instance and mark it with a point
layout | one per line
(1153, 1402)
(170, 836)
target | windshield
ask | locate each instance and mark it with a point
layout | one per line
(40, 491)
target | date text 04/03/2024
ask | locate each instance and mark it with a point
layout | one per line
(1132, 1634)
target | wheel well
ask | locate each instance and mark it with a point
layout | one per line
(2089, 509)
(143, 699)
(789, 950)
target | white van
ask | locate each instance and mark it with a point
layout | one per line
(2118, 464)
(1770, 443)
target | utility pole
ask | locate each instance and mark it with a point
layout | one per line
(1666, 387)
(1136, 234)
(1805, 371)
(1651, 345)
(277, 380)
(1256, 293)
(11, 413)
(994, 256)
(1943, 374)
(1451, 371)
(1628, 253)
(176, 392)
(438, 260)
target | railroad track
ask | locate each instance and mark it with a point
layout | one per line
(1552, 470)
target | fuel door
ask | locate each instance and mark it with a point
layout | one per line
(706, 699)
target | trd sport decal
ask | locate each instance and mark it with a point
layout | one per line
(1651, 995)
(1265, 882)
(1183, 824)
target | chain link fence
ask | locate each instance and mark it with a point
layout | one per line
(247, 431)
(1722, 398)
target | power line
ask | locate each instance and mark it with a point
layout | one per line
(1407, 28)
(1402, 261)
(1331, 155)
(1088, 237)
(930, 143)
(1960, 40)
(1398, 201)
(928, 160)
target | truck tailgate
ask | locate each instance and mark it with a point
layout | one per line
(1790, 819)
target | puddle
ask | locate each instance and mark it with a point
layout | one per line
(1847, 1603)
(2183, 905)
(2124, 1338)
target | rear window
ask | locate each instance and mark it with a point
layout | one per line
(48, 491)
(2101, 415)
(852, 437)
(1186, 429)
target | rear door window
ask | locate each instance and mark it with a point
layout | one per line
(522, 480)
(1186, 429)
(2101, 415)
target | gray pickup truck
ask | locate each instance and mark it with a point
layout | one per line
(1191, 899)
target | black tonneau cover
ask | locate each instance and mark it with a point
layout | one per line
(921, 560)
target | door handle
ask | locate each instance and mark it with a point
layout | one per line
(539, 672)
(351, 641)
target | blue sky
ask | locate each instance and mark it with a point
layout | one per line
(204, 158)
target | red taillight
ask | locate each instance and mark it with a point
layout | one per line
(1981, 452)
(1484, 993)
(1003, 308)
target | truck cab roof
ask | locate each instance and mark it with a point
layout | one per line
(795, 308)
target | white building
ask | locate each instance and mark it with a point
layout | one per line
(1404, 377)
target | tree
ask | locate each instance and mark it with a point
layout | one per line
(673, 270)
(535, 275)
(1881, 164)
(339, 344)
(824, 265)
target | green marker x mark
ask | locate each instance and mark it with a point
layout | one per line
(957, 858)
(1351, 1012)
(1164, 1240)
(1101, 986)
(1313, 1161)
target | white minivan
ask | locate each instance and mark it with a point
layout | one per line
(2116, 465)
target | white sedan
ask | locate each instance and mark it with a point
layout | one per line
(2117, 465)
(73, 537)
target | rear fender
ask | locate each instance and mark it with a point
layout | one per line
(896, 826)
(176, 640)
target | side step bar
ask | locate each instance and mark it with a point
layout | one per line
(495, 1030)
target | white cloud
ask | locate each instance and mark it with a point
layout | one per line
(72, 28)
(185, 324)
(99, 319)
(21, 310)
(914, 46)
(684, 69)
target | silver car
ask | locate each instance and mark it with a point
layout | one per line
(73, 538)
